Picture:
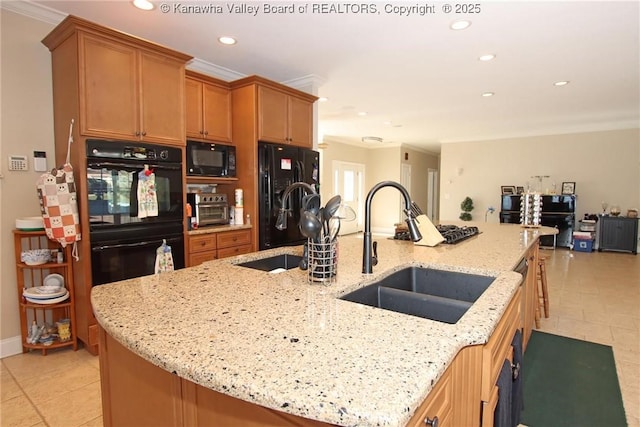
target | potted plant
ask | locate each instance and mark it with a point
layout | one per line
(467, 207)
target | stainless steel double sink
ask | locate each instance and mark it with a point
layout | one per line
(433, 294)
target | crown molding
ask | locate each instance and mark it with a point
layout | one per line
(309, 83)
(34, 10)
(214, 70)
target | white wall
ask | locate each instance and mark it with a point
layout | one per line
(604, 165)
(26, 125)
(420, 162)
(382, 164)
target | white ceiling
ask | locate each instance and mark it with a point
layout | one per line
(415, 72)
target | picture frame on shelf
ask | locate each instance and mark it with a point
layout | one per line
(568, 188)
(519, 190)
(508, 190)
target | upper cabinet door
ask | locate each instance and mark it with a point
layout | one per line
(300, 122)
(216, 113)
(284, 118)
(272, 115)
(208, 113)
(193, 95)
(129, 93)
(163, 104)
(109, 95)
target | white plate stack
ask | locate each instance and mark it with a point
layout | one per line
(52, 292)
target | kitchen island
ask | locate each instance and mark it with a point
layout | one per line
(294, 348)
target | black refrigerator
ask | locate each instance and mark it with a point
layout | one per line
(280, 166)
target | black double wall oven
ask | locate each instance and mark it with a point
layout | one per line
(123, 239)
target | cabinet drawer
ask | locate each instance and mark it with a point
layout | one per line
(200, 257)
(233, 251)
(205, 242)
(228, 239)
(438, 404)
(499, 346)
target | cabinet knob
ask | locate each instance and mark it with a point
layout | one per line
(431, 422)
(144, 133)
(206, 132)
(201, 132)
(137, 133)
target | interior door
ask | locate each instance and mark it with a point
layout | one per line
(348, 181)
(432, 194)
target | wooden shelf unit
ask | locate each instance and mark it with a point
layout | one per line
(33, 275)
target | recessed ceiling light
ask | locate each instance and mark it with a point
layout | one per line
(362, 113)
(486, 57)
(143, 4)
(460, 25)
(227, 40)
(561, 83)
(323, 99)
(488, 94)
(387, 123)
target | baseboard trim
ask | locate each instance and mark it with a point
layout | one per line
(10, 346)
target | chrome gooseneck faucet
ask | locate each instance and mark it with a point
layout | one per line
(369, 260)
(281, 222)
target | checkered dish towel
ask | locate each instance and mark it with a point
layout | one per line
(58, 203)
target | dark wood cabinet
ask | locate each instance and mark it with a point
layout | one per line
(618, 234)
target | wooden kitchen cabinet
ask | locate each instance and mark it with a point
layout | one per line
(202, 248)
(114, 86)
(283, 118)
(495, 351)
(129, 93)
(208, 114)
(214, 245)
(437, 409)
(126, 88)
(529, 294)
(249, 107)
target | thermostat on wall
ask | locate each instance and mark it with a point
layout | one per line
(18, 163)
(40, 161)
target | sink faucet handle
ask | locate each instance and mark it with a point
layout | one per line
(374, 258)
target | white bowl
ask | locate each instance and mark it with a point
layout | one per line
(52, 281)
(35, 256)
(30, 223)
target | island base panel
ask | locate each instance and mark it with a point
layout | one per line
(137, 393)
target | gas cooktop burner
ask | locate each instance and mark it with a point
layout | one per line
(451, 233)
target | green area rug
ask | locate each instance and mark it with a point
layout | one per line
(570, 383)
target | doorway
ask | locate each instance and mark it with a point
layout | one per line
(405, 181)
(432, 194)
(348, 181)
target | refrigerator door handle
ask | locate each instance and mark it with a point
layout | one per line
(299, 177)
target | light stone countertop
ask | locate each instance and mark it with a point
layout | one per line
(218, 229)
(278, 341)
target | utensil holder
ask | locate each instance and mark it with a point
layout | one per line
(323, 261)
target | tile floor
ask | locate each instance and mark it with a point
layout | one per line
(594, 297)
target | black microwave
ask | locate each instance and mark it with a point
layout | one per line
(207, 159)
